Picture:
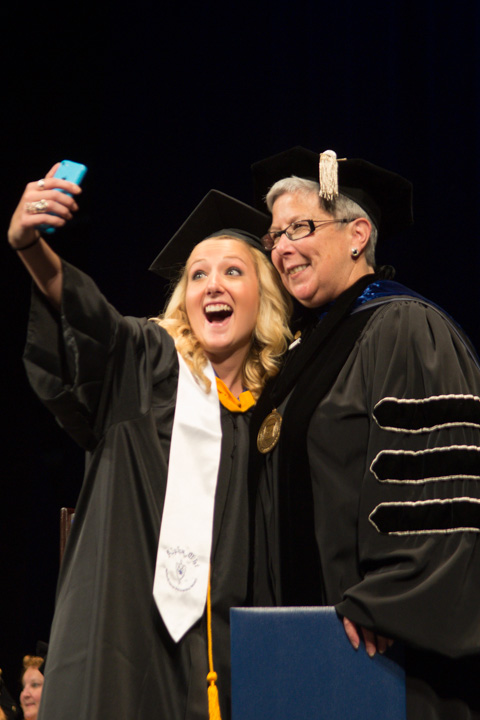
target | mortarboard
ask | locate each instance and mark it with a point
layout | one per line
(384, 195)
(42, 650)
(217, 214)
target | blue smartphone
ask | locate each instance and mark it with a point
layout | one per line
(68, 170)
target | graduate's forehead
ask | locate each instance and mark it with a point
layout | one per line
(218, 249)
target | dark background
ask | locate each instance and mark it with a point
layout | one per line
(163, 103)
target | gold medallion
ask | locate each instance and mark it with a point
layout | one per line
(269, 432)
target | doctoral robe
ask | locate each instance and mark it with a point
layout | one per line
(370, 501)
(111, 381)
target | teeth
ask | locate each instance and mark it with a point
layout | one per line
(296, 269)
(219, 307)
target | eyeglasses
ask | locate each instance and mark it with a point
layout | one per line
(296, 231)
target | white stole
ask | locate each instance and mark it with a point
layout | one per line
(185, 543)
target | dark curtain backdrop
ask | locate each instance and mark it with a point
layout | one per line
(164, 102)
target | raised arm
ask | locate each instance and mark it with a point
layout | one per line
(42, 203)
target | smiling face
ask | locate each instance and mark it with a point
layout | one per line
(222, 297)
(32, 692)
(318, 268)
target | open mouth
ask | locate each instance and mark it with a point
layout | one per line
(217, 312)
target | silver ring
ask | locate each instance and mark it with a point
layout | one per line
(41, 184)
(32, 208)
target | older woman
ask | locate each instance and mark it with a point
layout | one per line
(32, 686)
(369, 439)
(138, 623)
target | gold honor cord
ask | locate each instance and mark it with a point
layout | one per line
(213, 702)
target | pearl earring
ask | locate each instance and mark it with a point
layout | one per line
(355, 253)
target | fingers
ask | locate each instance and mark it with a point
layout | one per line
(43, 202)
(370, 640)
(45, 211)
(55, 200)
(351, 632)
(373, 643)
(53, 170)
(383, 644)
(51, 183)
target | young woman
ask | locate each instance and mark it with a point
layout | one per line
(140, 396)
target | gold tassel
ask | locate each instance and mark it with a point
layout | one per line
(213, 701)
(328, 174)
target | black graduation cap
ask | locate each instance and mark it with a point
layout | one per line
(217, 214)
(384, 195)
(41, 651)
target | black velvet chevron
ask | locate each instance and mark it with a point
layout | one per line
(414, 415)
(427, 516)
(437, 464)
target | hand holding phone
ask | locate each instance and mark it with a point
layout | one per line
(68, 170)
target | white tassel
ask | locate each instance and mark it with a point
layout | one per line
(328, 173)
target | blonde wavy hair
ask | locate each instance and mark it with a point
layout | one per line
(270, 337)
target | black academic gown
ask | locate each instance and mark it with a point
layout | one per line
(111, 381)
(372, 504)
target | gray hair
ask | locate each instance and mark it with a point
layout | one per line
(341, 207)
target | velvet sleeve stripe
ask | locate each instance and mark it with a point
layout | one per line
(427, 414)
(427, 516)
(456, 462)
